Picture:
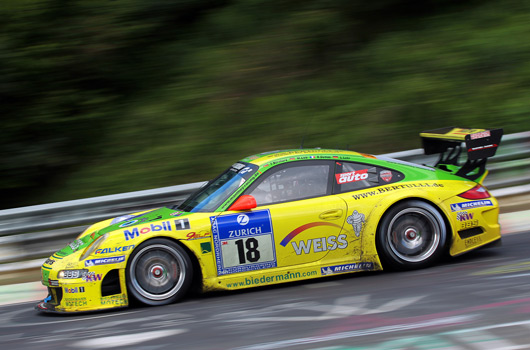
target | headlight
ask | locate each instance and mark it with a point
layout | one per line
(93, 246)
(72, 273)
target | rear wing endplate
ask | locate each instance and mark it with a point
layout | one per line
(480, 144)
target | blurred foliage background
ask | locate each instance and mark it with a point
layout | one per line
(102, 97)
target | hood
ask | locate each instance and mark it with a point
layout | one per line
(129, 222)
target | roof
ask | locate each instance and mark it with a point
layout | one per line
(303, 154)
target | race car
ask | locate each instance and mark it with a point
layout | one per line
(286, 216)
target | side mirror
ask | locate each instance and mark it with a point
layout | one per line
(245, 202)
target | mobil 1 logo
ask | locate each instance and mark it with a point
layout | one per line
(243, 242)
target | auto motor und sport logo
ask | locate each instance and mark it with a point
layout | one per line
(352, 176)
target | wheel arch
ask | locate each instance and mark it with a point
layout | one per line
(449, 228)
(196, 283)
(425, 200)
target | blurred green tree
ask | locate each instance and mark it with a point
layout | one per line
(103, 97)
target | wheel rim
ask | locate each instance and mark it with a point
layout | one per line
(157, 272)
(414, 234)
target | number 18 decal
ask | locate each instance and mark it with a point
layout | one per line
(243, 242)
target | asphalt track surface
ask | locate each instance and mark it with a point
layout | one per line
(477, 301)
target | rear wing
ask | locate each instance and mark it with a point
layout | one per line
(480, 144)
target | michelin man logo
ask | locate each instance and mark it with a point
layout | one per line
(326, 271)
(356, 219)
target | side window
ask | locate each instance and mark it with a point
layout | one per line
(354, 176)
(357, 176)
(289, 183)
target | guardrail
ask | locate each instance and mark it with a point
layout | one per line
(35, 232)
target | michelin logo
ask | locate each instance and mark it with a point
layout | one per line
(105, 261)
(470, 205)
(362, 266)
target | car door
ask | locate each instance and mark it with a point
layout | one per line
(353, 177)
(306, 220)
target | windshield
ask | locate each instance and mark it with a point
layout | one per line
(211, 196)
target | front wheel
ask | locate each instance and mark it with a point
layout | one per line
(159, 272)
(411, 235)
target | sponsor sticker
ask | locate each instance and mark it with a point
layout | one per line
(478, 148)
(386, 175)
(182, 224)
(74, 289)
(472, 204)
(243, 242)
(198, 235)
(161, 226)
(105, 261)
(464, 216)
(206, 247)
(116, 300)
(361, 266)
(469, 242)
(357, 221)
(480, 135)
(92, 277)
(114, 250)
(69, 302)
(245, 170)
(352, 176)
(390, 188)
(75, 244)
(317, 245)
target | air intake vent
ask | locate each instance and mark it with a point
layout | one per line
(111, 284)
(470, 232)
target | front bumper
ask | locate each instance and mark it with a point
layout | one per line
(102, 288)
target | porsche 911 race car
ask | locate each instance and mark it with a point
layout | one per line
(285, 216)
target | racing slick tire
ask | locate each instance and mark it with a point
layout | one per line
(411, 235)
(159, 272)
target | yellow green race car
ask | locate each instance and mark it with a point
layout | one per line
(285, 216)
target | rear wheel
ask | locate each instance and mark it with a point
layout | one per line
(159, 272)
(411, 235)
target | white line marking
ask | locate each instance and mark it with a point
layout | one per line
(502, 325)
(511, 276)
(352, 334)
(125, 340)
(8, 322)
(322, 285)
